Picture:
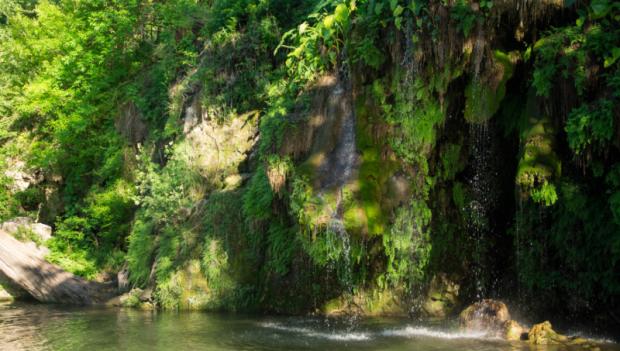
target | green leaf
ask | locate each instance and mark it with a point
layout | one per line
(416, 7)
(600, 8)
(393, 4)
(615, 55)
(342, 13)
(378, 8)
(398, 22)
(398, 11)
(328, 21)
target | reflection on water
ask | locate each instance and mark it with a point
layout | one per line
(44, 327)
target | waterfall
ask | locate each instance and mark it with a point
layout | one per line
(480, 183)
(340, 165)
(344, 161)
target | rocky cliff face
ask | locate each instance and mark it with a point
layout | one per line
(401, 183)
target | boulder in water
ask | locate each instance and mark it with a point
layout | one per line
(486, 315)
(513, 331)
(543, 334)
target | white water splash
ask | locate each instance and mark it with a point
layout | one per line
(344, 336)
(430, 333)
(406, 332)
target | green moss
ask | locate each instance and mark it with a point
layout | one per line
(373, 177)
(374, 302)
(539, 165)
(484, 94)
(374, 173)
(459, 195)
(451, 161)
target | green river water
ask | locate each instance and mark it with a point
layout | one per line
(46, 327)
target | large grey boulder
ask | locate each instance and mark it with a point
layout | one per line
(46, 282)
(25, 226)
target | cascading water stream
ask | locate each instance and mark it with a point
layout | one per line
(339, 168)
(480, 204)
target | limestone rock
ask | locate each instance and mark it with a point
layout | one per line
(9, 291)
(21, 177)
(486, 315)
(543, 334)
(31, 234)
(14, 226)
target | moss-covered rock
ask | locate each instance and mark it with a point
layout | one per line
(539, 165)
(484, 94)
(442, 297)
(543, 334)
(367, 303)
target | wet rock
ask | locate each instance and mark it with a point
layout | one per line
(9, 291)
(147, 306)
(543, 334)
(129, 299)
(486, 315)
(4, 295)
(366, 303)
(442, 297)
(513, 331)
(122, 278)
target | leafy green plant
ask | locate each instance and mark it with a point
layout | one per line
(464, 16)
(591, 126)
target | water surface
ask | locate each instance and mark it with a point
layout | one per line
(45, 327)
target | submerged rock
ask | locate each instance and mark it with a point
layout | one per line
(486, 315)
